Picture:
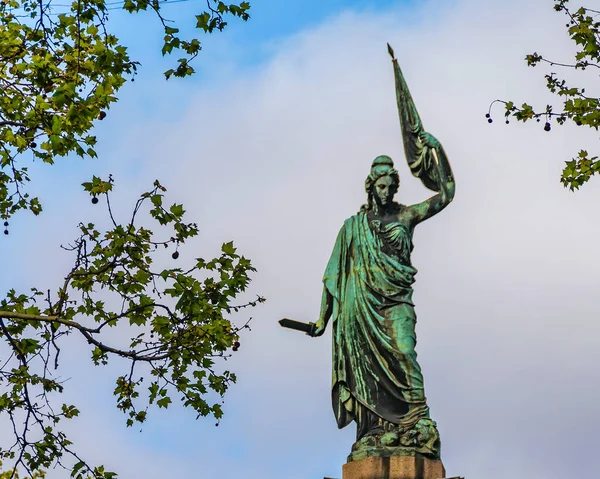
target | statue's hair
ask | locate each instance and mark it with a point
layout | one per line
(382, 166)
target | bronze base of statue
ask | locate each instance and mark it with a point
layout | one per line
(422, 439)
(394, 467)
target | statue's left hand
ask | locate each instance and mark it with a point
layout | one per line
(429, 140)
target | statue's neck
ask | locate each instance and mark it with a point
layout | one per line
(381, 210)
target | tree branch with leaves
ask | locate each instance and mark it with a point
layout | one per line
(177, 323)
(60, 71)
(583, 25)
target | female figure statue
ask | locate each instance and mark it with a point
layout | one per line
(377, 381)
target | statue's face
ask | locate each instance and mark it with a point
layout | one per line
(384, 190)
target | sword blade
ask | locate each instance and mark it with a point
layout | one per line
(297, 325)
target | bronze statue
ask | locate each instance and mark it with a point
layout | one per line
(367, 295)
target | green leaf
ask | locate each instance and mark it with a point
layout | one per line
(228, 248)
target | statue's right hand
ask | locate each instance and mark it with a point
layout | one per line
(318, 329)
(429, 140)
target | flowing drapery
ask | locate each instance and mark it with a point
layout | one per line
(374, 360)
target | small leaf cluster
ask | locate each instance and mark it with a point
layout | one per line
(208, 21)
(61, 71)
(14, 474)
(577, 106)
(580, 170)
(174, 324)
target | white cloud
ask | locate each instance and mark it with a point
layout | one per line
(275, 158)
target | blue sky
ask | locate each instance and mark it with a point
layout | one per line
(271, 21)
(269, 145)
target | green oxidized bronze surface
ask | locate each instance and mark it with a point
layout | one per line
(367, 295)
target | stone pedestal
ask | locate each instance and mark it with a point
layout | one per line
(395, 467)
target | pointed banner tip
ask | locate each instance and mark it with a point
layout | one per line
(391, 51)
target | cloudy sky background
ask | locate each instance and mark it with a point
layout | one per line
(269, 146)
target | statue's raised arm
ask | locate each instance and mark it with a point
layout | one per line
(425, 156)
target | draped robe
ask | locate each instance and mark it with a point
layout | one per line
(376, 377)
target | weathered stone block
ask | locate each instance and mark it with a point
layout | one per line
(395, 467)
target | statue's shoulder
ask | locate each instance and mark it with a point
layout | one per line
(350, 226)
(350, 222)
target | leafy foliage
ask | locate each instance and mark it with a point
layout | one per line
(15, 474)
(176, 321)
(60, 72)
(577, 106)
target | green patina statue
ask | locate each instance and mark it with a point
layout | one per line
(367, 294)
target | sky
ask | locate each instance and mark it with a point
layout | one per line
(269, 145)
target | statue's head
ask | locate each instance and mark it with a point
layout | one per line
(382, 183)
